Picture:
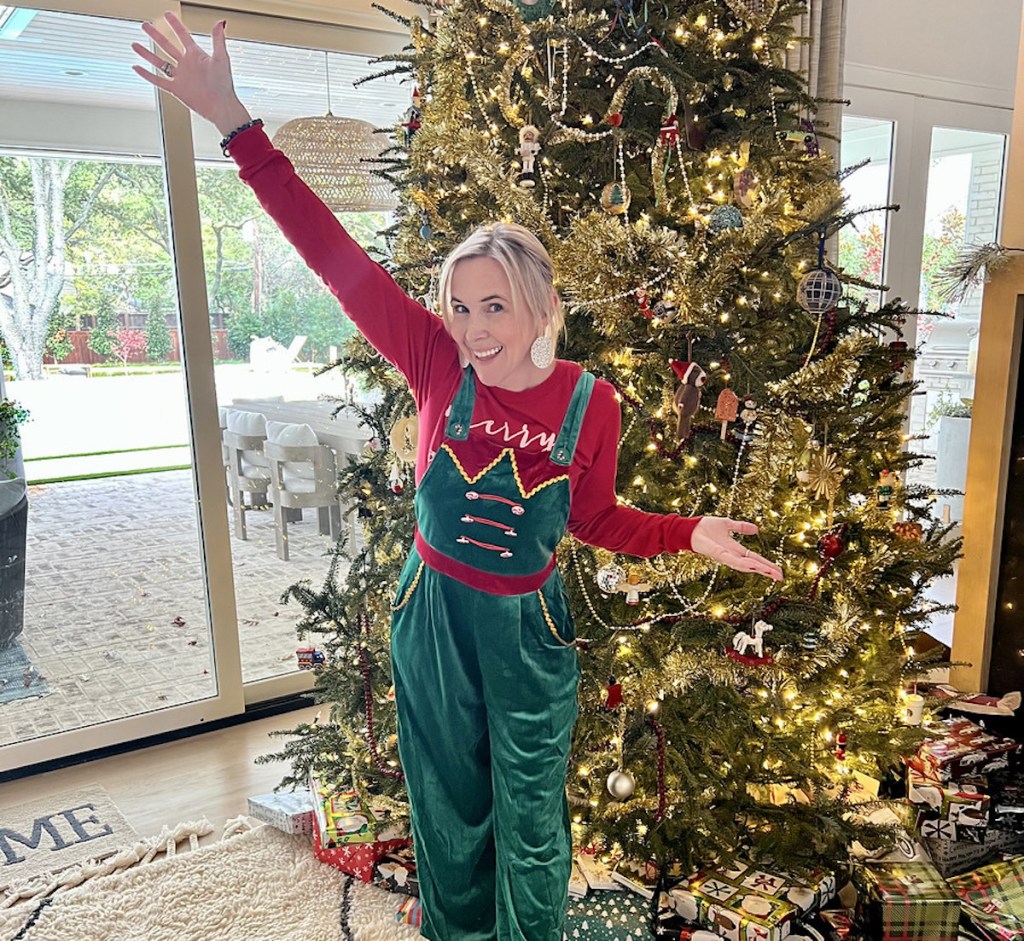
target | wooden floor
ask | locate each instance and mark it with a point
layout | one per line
(208, 775)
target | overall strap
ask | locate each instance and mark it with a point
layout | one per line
(568, 434)
(461, 412)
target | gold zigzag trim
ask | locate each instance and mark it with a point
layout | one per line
(515, 471)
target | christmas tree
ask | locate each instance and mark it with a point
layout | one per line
(671, 165)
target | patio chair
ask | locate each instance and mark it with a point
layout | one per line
(243, 439)
(303, 473)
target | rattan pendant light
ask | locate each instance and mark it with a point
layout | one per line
(328, 152)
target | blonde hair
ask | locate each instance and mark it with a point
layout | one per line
(526, 264)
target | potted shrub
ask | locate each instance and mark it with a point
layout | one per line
(13, 523)
(953, 418)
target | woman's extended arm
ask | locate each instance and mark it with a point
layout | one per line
(597, 518)
(399, 328)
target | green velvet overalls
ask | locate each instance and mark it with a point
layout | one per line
(485, 686)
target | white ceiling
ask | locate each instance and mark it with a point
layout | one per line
(71, 59)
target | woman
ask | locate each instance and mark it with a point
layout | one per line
(515, 447)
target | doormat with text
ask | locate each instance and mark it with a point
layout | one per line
(52, 833)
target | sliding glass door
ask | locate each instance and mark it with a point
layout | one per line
(136, 277)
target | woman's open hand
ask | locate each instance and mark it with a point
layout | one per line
(712, 537)
(200, 81)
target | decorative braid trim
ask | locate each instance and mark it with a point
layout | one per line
(551, 623)
(409, 590)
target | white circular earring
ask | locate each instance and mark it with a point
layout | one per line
(542, 351)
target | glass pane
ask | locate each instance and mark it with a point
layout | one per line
(273, 326)
(962, 209)
(862, 245)
(964, 188)
(115, 619)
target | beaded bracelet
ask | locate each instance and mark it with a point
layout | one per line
(255, 122)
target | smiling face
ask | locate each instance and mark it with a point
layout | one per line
(493, 330)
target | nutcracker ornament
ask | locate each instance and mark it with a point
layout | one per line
(840, 751)
(886, 487)
(669, 132)
(687, 398)
(613, 694)
(413, 118)
(529, 147)
(754, 642)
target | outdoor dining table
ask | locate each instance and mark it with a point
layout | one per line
(343, 434)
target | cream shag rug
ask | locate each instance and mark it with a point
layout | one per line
(260, 885)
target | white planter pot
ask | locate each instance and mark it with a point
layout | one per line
(952, 443)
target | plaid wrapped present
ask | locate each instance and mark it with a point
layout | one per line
(993, 898)
(965, 749)
(908, 902)
(608, 916)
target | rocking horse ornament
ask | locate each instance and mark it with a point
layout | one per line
(754, 641)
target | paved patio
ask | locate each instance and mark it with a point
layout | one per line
(115, 606)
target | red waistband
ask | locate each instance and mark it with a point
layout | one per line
(475, 578)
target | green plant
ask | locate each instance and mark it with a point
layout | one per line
(11, 415)
(950, 407)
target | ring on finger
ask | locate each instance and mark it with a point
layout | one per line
(746, 552)
(166, 69)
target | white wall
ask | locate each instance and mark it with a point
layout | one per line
(951, 49)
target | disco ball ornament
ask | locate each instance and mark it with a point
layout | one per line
(621, 785)
(615, 198)
(723, 218)
(819, 291)
(609, 577)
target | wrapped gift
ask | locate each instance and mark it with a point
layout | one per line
(343, 818)
(396, 872)
(965, 749)
(946, 811)
(638, 877)
(608, 916)
(952, 859)
(908, 902)
(993, 898)
(410, 913)
(356, 859)
(745, 903)
(290, 811)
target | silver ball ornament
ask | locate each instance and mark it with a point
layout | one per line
(621, 785)
(609, 577)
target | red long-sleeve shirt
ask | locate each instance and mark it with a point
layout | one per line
(416, 342)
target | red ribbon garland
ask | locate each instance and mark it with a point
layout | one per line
(371, 737)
